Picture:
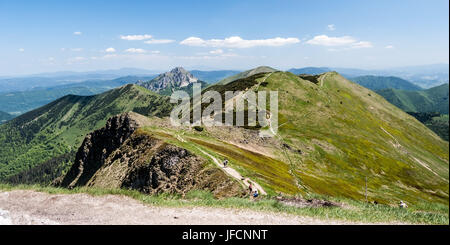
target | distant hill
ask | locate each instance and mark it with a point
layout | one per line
(424, 76)
(5, 116)
(47, 80)
(431, 100)
(381, 82)
(257, 70)
(30, 83)
(309, 70)
(21, 102)
(213, 76)
(60, 126)
(24, 101)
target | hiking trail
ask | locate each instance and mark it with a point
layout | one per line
(230, 171)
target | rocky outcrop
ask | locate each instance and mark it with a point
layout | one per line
(120, 155)
(176, 78)
(97, 146)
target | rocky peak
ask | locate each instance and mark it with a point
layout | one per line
(176, 78)
(99, 144)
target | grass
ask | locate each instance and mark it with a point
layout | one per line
(353, 211)
(341, 131)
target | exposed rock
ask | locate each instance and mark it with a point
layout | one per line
(176, 78)
(122, 156)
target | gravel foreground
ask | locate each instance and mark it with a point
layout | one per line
(26, 207)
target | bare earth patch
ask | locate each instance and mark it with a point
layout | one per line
(31, 207)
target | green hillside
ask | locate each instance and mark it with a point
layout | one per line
(59, 127)
(431, 100)
(5, 117)
(380, 82)
(260, 69)
(21, 102)
(333, 135)
(336, 133)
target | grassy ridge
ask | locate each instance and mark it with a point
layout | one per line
(347, 133)
(339, 134)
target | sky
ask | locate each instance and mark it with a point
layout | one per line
(47, 36)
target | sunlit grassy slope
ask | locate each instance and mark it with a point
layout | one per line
(337, 135)
(347, 133)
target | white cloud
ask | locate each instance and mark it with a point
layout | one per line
(136, 37)
(159, 41)
(77, 33)
(136, 50)
(331, 27)
(76, 49)
(155, 52)
(217, 51)
(389, 47)
(110, 50)
(21, 50)
(344, 41)
(238, 42)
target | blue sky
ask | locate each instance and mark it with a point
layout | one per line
(88, 35)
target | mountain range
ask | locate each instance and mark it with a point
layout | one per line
(425, 76)
(379, 82)
(335, 137)
(213, 76)
(430, 100)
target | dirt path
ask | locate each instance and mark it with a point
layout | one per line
(398, 145)
(235, 174)
(321, 78)
(230, 171)
(30, 207)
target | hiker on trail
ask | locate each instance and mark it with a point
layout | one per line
(402, 204)
(250, 187)
(255, 193)
(225, 163)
